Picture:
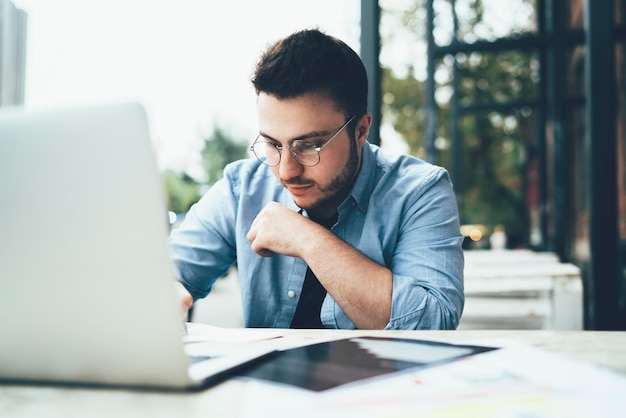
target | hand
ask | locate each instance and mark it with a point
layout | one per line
(279, 230)
(185, 299)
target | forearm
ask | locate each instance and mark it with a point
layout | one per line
(360, 286)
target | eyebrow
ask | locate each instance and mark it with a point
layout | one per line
(309, 135)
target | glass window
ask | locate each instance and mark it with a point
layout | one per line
(498, 172)
(498, 77)
(482, 20)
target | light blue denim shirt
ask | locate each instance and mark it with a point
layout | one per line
(401, 213)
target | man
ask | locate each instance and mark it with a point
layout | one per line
(325, 230)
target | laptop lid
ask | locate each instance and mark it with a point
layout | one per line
(86, 293)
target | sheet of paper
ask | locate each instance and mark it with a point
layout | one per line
(515, 382)
(197, 332)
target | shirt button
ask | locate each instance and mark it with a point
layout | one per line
(291, 293)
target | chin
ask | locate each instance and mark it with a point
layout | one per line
(305, 204)
(308, 203)
(318, 206)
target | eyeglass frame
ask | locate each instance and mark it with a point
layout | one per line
(290, 146)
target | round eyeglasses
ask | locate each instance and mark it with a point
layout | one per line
(304, 151)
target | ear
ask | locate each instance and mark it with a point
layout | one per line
(363, 128)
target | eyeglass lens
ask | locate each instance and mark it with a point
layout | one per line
(304, 152)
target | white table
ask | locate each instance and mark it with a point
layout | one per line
(606, 349)
(521, 288)
(494, 257)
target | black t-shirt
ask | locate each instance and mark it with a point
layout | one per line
(312, 295)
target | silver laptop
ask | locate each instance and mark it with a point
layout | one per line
(86, 283)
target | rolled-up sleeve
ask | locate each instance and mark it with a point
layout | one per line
(407, 215)
(427, 263)
(203, 248)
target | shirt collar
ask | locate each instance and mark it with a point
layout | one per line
(365, 180)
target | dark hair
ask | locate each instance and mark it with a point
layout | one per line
(310, 61)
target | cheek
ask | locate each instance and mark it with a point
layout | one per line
(326, 173)
(335, 162)
(322, 176)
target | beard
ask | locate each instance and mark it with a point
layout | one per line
(338, 189)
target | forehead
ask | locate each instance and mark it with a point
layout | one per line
(285, 119)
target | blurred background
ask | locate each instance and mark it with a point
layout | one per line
(522, 101)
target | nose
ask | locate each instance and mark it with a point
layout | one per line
(288, 167)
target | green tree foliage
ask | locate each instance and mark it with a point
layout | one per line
(182, 191)
(495, 140)
(403, 103)
(496, 144)
(218, 150)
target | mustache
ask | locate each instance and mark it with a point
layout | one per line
(297, 181)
